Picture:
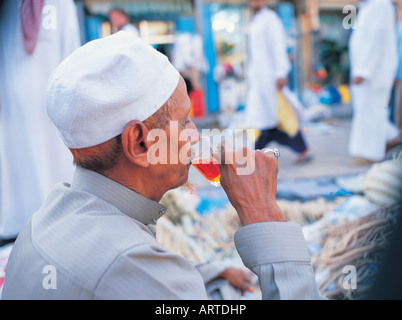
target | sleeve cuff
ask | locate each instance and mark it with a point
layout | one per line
(270, 242)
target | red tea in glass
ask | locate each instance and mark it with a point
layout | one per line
(209, 169)
(204, 161)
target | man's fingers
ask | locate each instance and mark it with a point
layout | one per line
(224, 152)
(247, 286)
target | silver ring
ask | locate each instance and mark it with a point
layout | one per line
(275, 151)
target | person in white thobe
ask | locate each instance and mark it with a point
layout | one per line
(267, 70)
(33, 158)
(267, 63)
(373, 56)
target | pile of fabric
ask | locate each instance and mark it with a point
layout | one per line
(209, 236)
(348, 244)
(202, 238)
(305, 212)
(352, 252)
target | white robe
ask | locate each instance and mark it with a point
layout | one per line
(373, 57)
(267, 62)
(129, 27)
(32, 155)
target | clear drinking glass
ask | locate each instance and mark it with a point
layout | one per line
(203, 160)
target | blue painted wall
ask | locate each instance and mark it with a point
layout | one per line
(211, 90)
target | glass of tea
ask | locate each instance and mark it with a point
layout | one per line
(204, 161)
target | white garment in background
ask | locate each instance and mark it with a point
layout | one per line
(131, 28)
(373, 55)
(32, 156)
(268, 62)
(188, 53)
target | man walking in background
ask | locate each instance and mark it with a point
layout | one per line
(374, 62)
(268, 68)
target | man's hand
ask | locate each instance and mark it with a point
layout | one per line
(358, 80)
(280, 83)
(252, 194)
(238, 278)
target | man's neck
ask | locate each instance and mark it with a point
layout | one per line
(135, 181)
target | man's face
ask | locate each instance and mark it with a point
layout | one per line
(256, 5)
(179, 133)
(117, 19)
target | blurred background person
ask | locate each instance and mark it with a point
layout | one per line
(267, 72)
(398, 82)
(374, 62)
(120, 20)
(36, 35)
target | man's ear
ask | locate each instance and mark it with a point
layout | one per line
(134, 141)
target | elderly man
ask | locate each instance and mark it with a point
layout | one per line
(94, 239)
(267, 71)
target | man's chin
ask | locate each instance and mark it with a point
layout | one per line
(183, 179)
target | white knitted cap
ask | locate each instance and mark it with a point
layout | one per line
(104, 85)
